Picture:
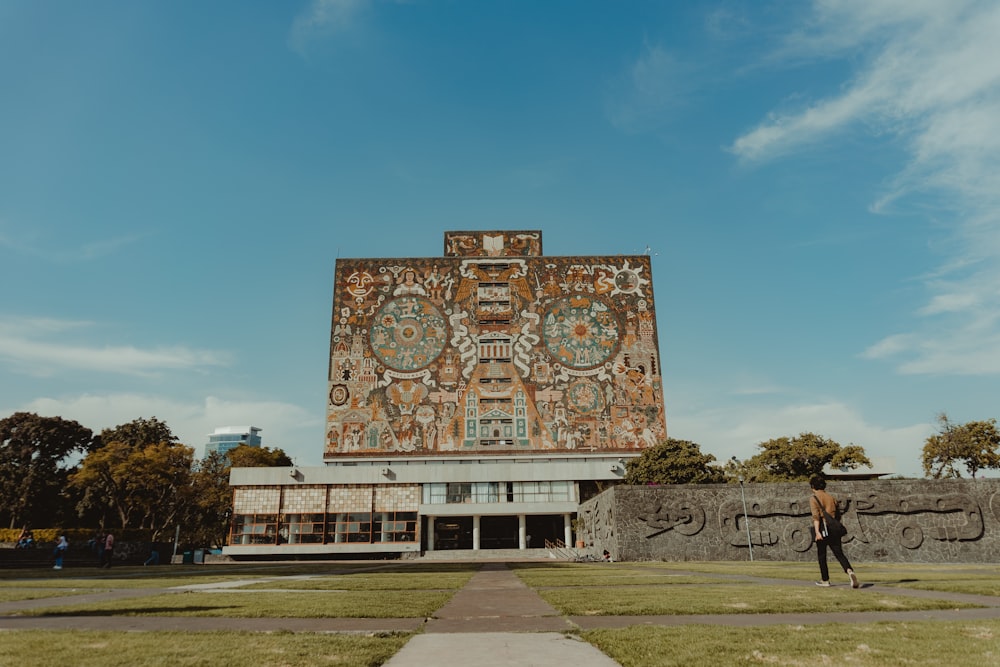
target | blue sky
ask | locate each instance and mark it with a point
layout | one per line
(818, 182)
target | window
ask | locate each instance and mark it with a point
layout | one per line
(494, 492)
(254, 529)
(395, 526)
(303, 528)
(534, 492)
(486, 492)
(459, 492)
(350, 527)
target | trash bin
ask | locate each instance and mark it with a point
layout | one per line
(199, 556)
(188, 558)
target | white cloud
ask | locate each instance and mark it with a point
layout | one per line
(950, 303)
(43, 347)
(737, 430)
(928, 74)
(323, 18)
(290, 427)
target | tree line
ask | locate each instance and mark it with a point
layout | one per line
(974, 446)
(138, 477)
(135, 477)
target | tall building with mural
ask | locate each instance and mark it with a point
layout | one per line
(474, 400)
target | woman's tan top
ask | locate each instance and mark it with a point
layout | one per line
(828, 501)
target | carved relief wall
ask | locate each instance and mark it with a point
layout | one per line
(493, 349)
(891, 520)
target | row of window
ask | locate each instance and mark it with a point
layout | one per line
(497, 492)
(324, 528)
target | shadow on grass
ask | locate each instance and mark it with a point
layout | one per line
(138, 611)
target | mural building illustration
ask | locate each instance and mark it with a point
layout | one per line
(493, 348)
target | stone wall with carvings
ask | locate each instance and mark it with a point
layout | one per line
(928, 521)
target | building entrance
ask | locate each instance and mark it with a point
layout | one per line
(498, 532)
(454, 532)
(542, 528)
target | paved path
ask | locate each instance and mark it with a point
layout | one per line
(497, 621)
(495, 618)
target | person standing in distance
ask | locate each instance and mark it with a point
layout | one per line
(109, 550)
(60, 552)
(820, 501)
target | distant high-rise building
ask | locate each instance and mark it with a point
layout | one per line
(230, 437)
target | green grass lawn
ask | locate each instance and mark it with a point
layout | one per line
(646, 589)
(870, 645)
(37, 648)
(732, 598)
(21, 594)
(174, 576)
(330, 604)
(373, 581)
(607, 574)
(329, 590)
(975, 579)
(415, 590)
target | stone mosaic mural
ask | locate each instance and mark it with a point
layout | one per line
(887, 520)
(493, 348)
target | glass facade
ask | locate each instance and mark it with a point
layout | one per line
(497, 492)
(229, 437)
(324, 528)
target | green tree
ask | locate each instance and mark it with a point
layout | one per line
(139, 474)
(212, 497)
(799, 458)
(973, 444)
(138, 432)
(211, 504)
(245, 456)
(35, 458)
(673, 462)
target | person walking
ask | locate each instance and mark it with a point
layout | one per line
(823, 504)
(109, 550)
(60, 551)
(97, 545)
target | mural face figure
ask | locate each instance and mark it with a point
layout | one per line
(360, 284)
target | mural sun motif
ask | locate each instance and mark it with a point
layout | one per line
(581, 331)
(408, 334)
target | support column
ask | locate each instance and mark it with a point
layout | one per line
(430, 533)
(341, 519)
(475, 532)
(522, 532)
(385, 531)
(568, 531)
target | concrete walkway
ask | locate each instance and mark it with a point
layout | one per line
(498, 621)
(494, 617)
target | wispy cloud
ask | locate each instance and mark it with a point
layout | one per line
(928, 74)
(285, 425)
(323, 18)
(654, 84)
(45, 347)
(31, 244)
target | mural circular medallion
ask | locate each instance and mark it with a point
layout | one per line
(585, 397)
(581, 331)
(408, 333)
